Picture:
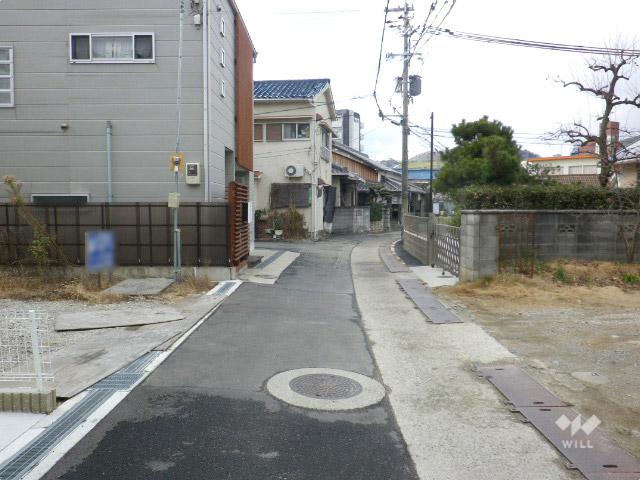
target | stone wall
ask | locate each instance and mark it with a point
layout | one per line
(570, 234)
(351, 220)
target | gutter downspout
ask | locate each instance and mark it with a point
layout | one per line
(205, 114)
(109, 162)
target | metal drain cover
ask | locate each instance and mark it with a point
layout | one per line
(326, 389)
(325, 386)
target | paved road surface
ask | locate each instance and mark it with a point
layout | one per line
(204, 414)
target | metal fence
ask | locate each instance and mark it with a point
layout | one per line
(447, 247)
(433, 243)
(25, 350)
(144, 232)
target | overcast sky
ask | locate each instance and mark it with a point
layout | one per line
(340, 40)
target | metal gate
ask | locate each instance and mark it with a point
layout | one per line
(516, 235)
(447, 248)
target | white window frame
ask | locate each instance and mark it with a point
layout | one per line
(304, 139)
(223, 88)
(11, 77)
(132, 35)
(223, 27)
(223, 57)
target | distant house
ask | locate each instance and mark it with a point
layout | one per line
(582, 168)
(348, 128)
(627, 167)
(420, 171)
(353, 175)
(293, 144)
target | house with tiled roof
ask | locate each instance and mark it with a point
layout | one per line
(293, 147)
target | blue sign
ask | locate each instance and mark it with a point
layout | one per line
(100, 250)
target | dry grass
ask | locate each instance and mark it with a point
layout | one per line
(558, 283)
(189, 286)
(20, 286)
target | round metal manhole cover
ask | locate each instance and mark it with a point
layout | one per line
(326, 389)
(325, 386)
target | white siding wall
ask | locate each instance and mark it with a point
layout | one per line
(139, 99)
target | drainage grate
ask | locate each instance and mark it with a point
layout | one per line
(31, 454)
(325, 386)
(435, 311)
(587, 449)
(118, 381)
(271, 259)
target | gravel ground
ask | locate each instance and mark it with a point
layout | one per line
(587, 356)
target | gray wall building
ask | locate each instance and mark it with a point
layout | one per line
(72, 66)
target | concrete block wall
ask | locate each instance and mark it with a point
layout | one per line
(351, 220)
(416, 237)
(479, 246)
(569, 234)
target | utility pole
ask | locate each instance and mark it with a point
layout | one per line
(431, 171)
(407, 31)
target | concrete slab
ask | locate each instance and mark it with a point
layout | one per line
(13, 425)
(98, 319)
(433, 277)
(455, 425)
(272, 266)
(77, 367)
(141, 286)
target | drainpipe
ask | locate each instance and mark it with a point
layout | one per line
(110, 161)
(205, 114)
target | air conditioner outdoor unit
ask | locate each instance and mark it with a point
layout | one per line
(294, 171)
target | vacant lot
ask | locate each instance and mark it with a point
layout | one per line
(576, 327)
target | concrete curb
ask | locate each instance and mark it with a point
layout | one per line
(27, 400)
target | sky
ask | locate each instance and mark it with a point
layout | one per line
(340, 40)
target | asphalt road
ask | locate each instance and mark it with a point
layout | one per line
(204, 413)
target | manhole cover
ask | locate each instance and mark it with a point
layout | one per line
(325, 386)
(326, 389)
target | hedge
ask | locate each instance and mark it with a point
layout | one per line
(547, 197)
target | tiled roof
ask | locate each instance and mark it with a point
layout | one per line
(289, 89)
(582, 156)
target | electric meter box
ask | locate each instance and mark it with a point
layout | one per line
(193, 174)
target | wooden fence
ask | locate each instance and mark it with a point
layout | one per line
(144, 232)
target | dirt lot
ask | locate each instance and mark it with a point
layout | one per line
(577, 332)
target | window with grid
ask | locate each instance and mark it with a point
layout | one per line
(284, 195)
(575, 170)
(6, 77)
(112, 48)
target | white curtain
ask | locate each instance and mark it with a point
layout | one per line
(112, 47)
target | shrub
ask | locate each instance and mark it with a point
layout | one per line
(631, 279)
(561, 275)
(546, 197)
(377, 212)
(293, 224)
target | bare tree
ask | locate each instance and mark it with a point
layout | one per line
(611, 83)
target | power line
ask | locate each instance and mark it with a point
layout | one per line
(518, 42)
(375, 88)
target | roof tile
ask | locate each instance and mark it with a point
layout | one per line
(289, 89)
